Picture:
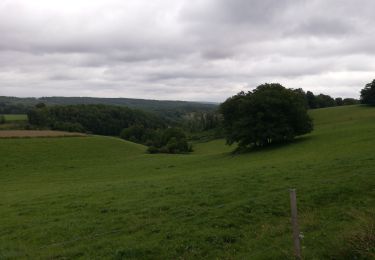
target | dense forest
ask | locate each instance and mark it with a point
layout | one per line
(96, 119)
(171, 110)
(130, 124)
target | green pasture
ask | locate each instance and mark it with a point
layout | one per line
(11, 118)
(105, 198)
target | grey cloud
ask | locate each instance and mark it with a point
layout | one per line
(186, 49)
(325, 26)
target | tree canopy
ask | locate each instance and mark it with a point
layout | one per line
(168, 140)
(97, 119)
(269, 114)
(368, 94)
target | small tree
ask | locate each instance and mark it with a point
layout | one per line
(269, 114)
(368, 94)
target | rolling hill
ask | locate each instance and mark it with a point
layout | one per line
(101, 197)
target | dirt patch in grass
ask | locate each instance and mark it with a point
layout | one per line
(36, 133)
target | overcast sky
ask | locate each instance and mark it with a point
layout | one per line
(203, 50)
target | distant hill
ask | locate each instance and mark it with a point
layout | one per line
(172, 110)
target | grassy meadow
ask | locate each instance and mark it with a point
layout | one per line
(19, 117)
(16, 121)
(102, 197)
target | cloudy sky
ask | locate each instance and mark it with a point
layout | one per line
(203, 50)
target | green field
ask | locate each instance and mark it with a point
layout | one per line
(101, 197)
(11, 118)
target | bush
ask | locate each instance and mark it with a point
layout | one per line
(133, 133)
(170, 140)
(368, 94)
(174, 140)
(269, 114)
(152, 149)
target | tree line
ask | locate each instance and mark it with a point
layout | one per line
(170, 110)
(130, 124)
(267, 115)
(322, 100)
(95, 119)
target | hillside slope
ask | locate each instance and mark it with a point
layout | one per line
(100, 197)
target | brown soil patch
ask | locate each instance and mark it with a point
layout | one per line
(36, 133)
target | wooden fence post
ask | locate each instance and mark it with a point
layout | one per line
(296, 234)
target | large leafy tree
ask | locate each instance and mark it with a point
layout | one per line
(269, 114)
(368, 94)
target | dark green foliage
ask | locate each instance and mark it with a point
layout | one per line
(350, 101)
(170, 133)
(96, 119)
(169, 140)
(40, 117)
(40, 105)
(269, 114)
(68, 126)
(339, 101)
(311, 100)
(172, 140)
(2, 119)
(134, 133)
(321, 101)
(174, 111)
(139, 134)
(9, 106)
(324, 101)
(202, 121)
(368, 94)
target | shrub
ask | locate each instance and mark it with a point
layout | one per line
(170, 140)
(152, 149)
(133, 133)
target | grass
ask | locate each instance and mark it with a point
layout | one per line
(13, 122)
(101, 197)
(12, 118)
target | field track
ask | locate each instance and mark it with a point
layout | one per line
(35, 133)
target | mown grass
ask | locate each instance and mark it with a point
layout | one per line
(18, 117)
(100, 197)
